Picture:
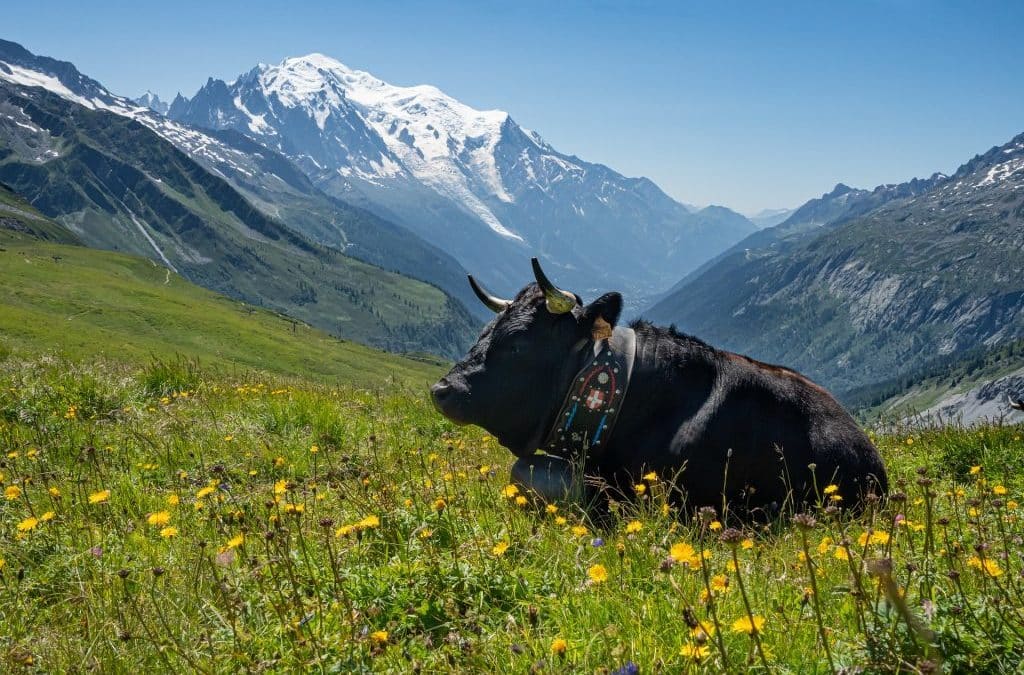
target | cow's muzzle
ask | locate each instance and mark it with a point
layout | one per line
(446, 400)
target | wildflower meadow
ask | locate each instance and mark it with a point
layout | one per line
(170, 518)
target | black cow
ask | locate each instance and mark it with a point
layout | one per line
(724, 424)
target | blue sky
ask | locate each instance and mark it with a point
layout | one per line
(747, 104)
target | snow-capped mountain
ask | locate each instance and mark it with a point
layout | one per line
(153, 102)
(473, 181)
(267, 179)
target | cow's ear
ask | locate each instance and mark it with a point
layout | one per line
(600, 316)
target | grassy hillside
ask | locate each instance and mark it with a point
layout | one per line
(87, 303)
(20, 221)
(119, 186)
(162, 520)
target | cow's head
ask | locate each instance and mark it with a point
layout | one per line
(515, 377)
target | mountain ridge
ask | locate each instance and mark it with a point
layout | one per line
(483, 188)
(265, 178)
(891, 278)
(118, 185)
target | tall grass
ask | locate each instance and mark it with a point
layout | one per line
(167, 518)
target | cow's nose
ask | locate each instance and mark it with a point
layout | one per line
(440, 392)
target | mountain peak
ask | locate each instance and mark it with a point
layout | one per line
(153, 102)
(316, 60)
(839, 190)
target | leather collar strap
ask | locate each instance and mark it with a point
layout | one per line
(585, 421)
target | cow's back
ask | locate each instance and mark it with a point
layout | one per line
(735, 425)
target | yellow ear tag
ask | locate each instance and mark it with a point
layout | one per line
(602, 330)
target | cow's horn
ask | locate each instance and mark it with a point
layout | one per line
(558, 301)
(1018, 405)
(493, 303)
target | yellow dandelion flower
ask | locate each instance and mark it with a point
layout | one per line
(831, 489)
(579, 531)
(880, 537)
(835, 498)
(640, 488)
(369, 522)
(748, 625)
(634, 526)
(841, 554)
(12, 492)
(560, 520)
(206, 491)
(747, 544)
(279, 461)
(425, 533)
(651, 477)
(720, 583)
(344, 531)
(521, 500)
(440, 504)
(694, 652)
(47, 517)
(910, 441)
(280, 487)
(159, 519)
(229, 438)
(235, 541)
(975, 470)
(173, 500)
(988, 566)
(1012, 505)
(313, 449)
(598, 573)
(558, 646)
(168, 532)
(824, 545)
(715, 526)
(99, 497)
(683, 553)
(551, 508)
(999, 490)
(28, 524)
(379, 637)
(499, 548)
(702, 630)
(54, 491)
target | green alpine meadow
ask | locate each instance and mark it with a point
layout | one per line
(642, 338)
(170, 516)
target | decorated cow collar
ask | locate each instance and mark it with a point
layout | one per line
(587, 417)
